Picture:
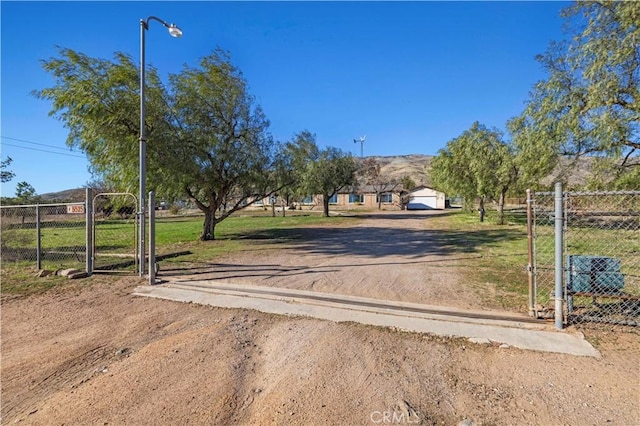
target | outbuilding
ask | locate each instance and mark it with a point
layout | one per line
(424, 198)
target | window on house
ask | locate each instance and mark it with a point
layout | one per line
(356, 198)
(307, 200)
(386, 197)
(258, 202)
(333, 199)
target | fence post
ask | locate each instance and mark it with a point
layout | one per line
(559, 265)
(38, 239)
(152, 238)
(532, 311)
(88, 210)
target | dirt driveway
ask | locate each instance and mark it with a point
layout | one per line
(389, 255)
(95, 354)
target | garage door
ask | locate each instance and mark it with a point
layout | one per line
(422, 203)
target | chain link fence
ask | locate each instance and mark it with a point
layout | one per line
(600, 256)
(46, 236)
(543, 259)
(115, 225)
(98, 234)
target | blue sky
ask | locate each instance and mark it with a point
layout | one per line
(409, 75)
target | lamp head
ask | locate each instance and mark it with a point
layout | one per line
(174, 30)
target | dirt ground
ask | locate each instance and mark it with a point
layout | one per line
(390, 256)
(95, 354)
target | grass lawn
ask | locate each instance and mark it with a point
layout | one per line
(118, 237)
(498, 273)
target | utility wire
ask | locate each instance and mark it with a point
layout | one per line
(43, 150)
(35, 143)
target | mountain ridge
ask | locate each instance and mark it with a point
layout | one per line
(575, 171)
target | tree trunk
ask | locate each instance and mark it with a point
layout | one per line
(379, 201)
(284, 208)
(209, 226)
(325, 205)
(273, 207)
(481, 209)
(501, 208)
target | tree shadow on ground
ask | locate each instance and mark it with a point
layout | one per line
(236, 270)
(391, 246)
(381, 242)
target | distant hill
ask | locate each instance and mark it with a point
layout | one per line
(396, 166)
(575, 172)
(399, 166)
(66, 196)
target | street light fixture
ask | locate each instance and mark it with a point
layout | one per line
(174, 31)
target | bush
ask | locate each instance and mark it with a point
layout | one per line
(174, 210)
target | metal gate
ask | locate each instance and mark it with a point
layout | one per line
(585, 256)
(115, 228)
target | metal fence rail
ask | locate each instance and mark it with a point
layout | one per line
(599, 266)
(47, 236)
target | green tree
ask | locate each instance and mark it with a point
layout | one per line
(332, 171)
(207, 138)
(590, 102)
(224, 153)
(98, 102)
(6, 175)
(476, 165)
(301, 151)
(25, 193)
(536, 159)
(408, 184)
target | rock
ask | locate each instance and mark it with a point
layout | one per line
(466, 422)
(122, 351)
(43, 273)
(78, 274)
(504, 346)
(480, 340)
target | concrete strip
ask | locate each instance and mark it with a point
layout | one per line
(365, 304)
(536, 338)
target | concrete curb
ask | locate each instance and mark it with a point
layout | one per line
(478, 326)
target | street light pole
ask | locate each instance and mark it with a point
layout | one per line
(174, 31)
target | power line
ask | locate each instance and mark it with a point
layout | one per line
(34, 143)
(42, 150)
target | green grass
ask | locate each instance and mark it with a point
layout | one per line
(118, 236)
(21, 280)
(498, 273)
(173, 235)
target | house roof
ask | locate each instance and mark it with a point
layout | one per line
(422, 187)
(366, 189)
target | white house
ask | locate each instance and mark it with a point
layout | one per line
(423, 198)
